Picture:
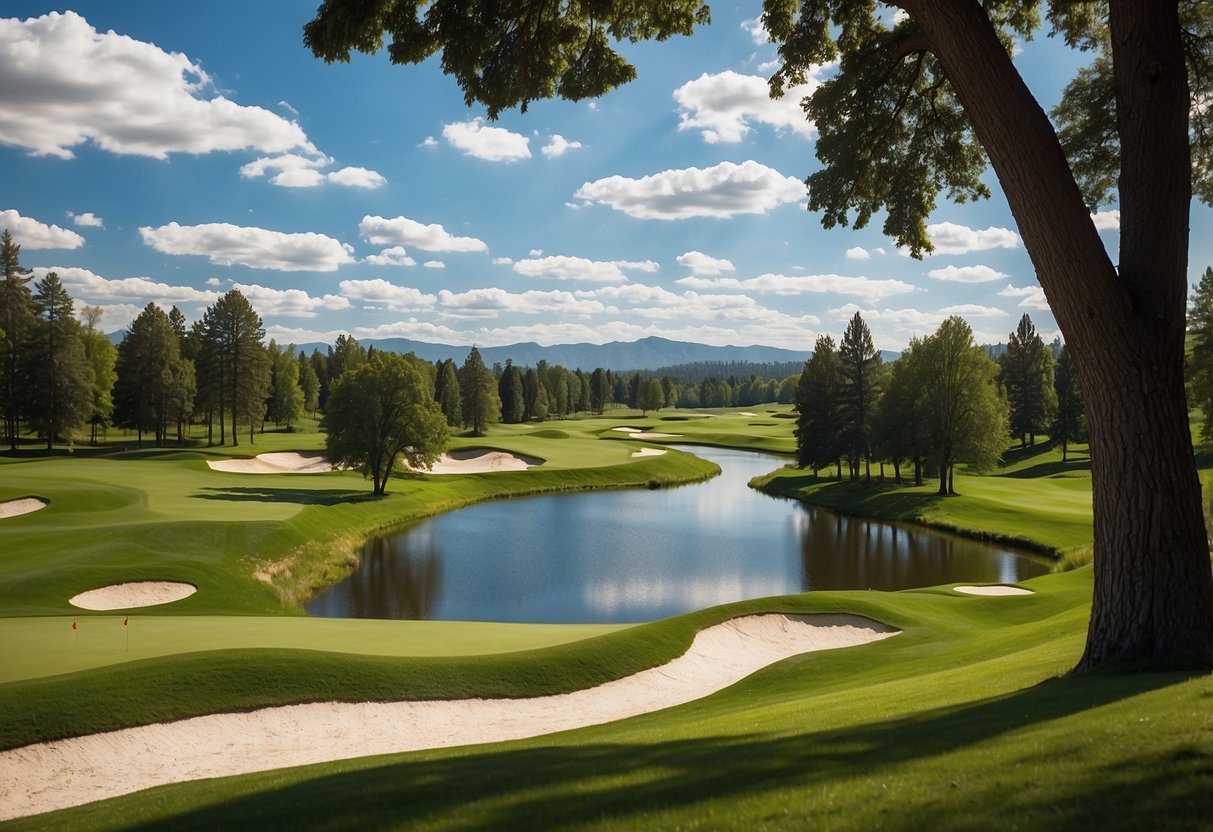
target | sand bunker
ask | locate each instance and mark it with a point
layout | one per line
(134, 594)
(47, 776)
(648, 452)
(280, 463)
(993, 590)
(14, 508)
(481, 461)
(636, 433)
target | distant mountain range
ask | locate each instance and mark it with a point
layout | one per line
(650, 353)
(646, 354)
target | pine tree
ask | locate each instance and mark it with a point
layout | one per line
(59, 382)
(818, 407)
(509, 388)
(898, 426)
(151, 381)
(16, 323)
(1026, 371)
(480, 402)
(1070, 423)
(447, 394)
(236, 360)
(860, 371)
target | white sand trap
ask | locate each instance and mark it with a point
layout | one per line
(279, 463)
(15, 508)
(648, 452)
(651, 435)
(481, 461)
(746, 413)
(134, 594)
(55, 775)
(626, 430)
(993, 590)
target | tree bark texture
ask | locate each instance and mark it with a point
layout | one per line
(1153, 598)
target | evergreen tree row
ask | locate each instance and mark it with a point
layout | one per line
(943, 401)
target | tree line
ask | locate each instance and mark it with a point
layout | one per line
(943, 401)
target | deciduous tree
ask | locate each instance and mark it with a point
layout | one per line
(379, 412)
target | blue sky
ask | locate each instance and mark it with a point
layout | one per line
(166, 152)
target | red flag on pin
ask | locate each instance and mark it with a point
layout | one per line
(73, 623)
(125, 621)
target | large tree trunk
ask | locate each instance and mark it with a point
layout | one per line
(1153, 600)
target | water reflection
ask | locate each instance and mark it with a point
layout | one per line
(637, 555)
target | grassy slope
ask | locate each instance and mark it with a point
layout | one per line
(958, 723)
(166, 515)
(1034, 500)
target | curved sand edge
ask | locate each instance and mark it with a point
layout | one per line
(648, 452)
(132, 594)
(481, 461)
(55, 775)
(22, 505)
(997, 590)
(273, 463)
(637, 433)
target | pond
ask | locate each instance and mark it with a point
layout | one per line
(637, 555)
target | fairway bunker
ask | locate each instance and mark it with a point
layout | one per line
(997, 590)
(55, 775)
(637, 433)
(133, 594)
(648, 452)
(275, 463)
(481, 461)
(24, 505)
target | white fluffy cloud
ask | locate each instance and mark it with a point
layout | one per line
(725, 190)
(394, 256)
(967, 274)
(1107, 220)
(757, 31)
(950, 238)
(502, 261)
(560, 267)
(292, 170)
(87, 220)
(433, 264)
(30, 234)
(259, 248)
(700, 263)
(558, 145)
(724, 105)
(381, 293)
(1030, 297)
(86, 285)
(289, 303)
(490, 302)
(406, 232)
(354, 177)
(65, 84)
(495, 144)
(869, 289)
(858, 253)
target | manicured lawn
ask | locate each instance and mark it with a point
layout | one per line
(966, 720)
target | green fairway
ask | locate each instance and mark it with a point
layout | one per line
(966, 720)
(1035, 500)
(165, 515)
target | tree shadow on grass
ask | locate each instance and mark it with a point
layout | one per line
(1049, 469)
(901, 766)
(302, 496)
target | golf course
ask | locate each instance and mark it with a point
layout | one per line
(933, 706)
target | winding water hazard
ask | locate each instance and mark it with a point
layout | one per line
(635, 555)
